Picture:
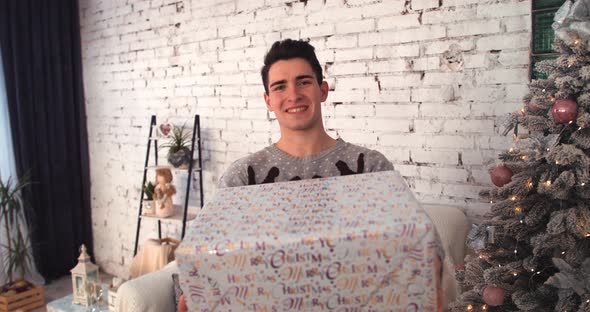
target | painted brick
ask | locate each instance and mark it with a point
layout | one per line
(516, 92)
(499, 42)
(360, 110)
(444, 174)
(426, 63)
(337, 42)
(345, 123)
(388, 125)
(474, 28)
(439, 110)
(434, 157)
(352, 83)
(504, 9)
(390, 66)
(358, 137)
(441, 46)
(424, 4)
(355, 26)
(469, 126)
(402, 36)
(400, 81)
(346, 96)
(514, 58)
(398, 22)
(353, 54)
(384, 8)
(504, 76)
(317, 31)
(397, 51)
(428, 126)
(402, 140)
(517, 23)
(389, 96)
(449, 15)
(396, 111)
(449, 141)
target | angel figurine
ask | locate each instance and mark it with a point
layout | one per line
(163, 193)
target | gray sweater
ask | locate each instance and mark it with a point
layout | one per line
(274, 165)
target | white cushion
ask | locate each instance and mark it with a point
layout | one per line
(452, 227)
(153, 292)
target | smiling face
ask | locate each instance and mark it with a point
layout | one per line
(295, 96)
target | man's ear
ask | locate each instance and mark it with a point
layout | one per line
(325, 89)
(267, 101)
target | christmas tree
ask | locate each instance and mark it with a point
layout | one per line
(533, 249)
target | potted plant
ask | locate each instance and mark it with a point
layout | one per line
(15, 252)
(179, 153)
(148, 201)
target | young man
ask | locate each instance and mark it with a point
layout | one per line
(294, 90)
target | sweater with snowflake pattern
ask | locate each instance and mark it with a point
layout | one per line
(274, 165)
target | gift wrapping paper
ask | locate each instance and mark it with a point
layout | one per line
(352, 243)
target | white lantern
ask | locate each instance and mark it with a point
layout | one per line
(83, 274)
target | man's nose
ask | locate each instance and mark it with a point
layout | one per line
(293, 93)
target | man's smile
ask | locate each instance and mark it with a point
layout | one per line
(296, 109)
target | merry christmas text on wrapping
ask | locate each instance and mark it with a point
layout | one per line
(344, 243)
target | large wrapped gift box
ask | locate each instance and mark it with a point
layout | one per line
(353, 243)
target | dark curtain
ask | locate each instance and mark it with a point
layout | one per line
(40, 42)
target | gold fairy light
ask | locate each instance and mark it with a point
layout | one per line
(548, 183)
(576, 42)
(522, 110)
(552, 99)
(521, 222)
(469, 307)
(511, 150)
(523, 157)
(543, 90)
(484, 307)
(514, 274)
(518, 209)
(583, 183)
(557, 162)
(563, 252)
(569, 123)
(513, 198)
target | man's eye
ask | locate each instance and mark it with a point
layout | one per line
(305, 82)
(279, 88)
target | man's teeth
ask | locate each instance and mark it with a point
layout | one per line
(296, 109)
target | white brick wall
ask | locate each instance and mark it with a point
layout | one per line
(392, 89)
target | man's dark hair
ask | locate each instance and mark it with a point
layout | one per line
(289, 49)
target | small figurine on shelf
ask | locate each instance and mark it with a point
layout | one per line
(163, 193)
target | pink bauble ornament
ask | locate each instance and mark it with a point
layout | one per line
(501, 175)
(533, 106)
(493, 296)
(564, 111)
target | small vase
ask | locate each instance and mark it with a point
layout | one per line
(148, 207)
(180, 158)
